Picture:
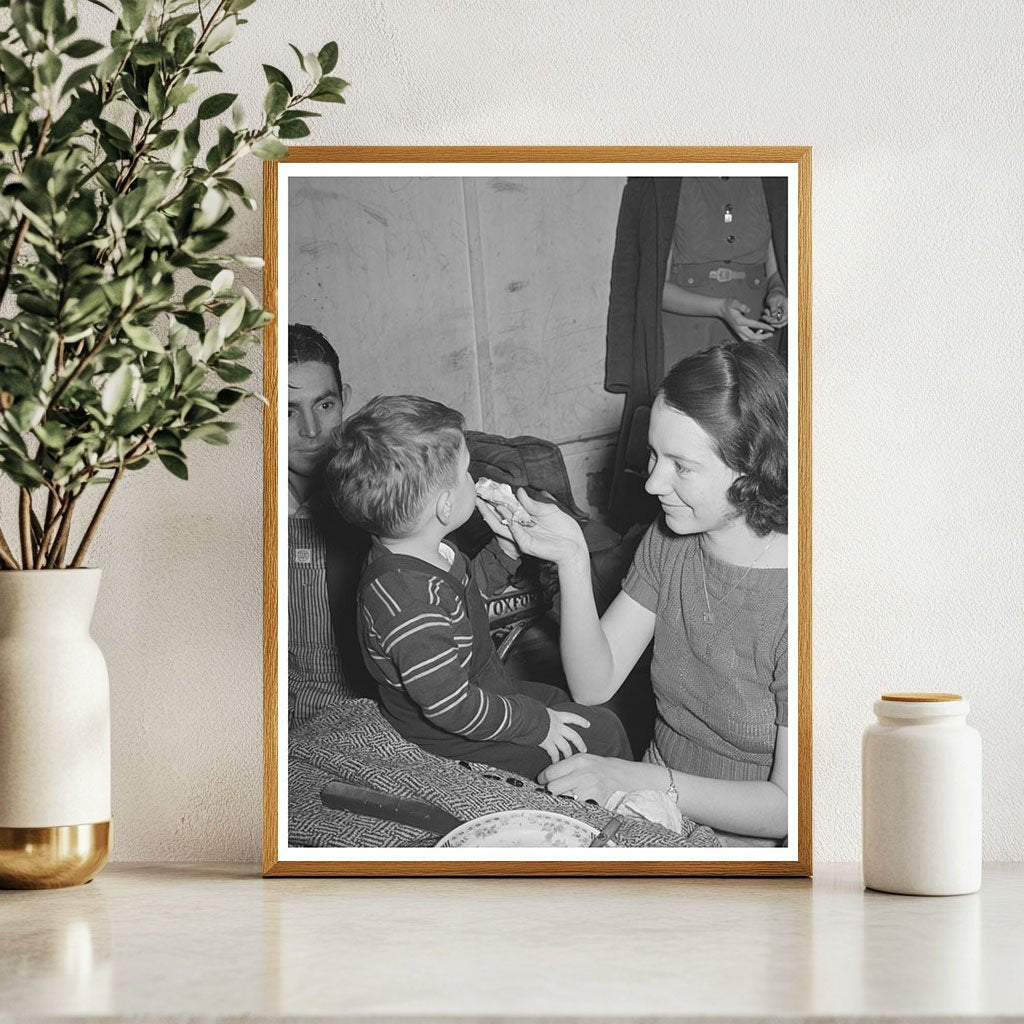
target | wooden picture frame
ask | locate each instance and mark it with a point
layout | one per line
(315, 301)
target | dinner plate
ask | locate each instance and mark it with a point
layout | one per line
(521, 828)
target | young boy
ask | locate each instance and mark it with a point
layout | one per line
(401, 472)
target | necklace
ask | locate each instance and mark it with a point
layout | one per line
(709, 617)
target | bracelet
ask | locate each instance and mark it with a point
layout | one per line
(672, 791)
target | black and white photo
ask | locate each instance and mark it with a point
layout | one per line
(539, 436)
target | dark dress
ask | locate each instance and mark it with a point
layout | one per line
(636, 346)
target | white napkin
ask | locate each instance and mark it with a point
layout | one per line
(650, 804)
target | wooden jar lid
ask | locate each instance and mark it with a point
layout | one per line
(921, 698)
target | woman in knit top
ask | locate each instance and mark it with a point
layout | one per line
(709, 586)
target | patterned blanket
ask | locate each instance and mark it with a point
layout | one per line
(353, 743)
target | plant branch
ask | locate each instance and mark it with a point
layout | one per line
(60, 545)
(22, 229)
(6, 554)
(25, 522)
(54, 511)
(94, 523)
(87, 357)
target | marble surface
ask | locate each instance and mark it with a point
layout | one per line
(177, 942)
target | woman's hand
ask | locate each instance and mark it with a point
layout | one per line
(555, 536)
(734, 313)
(590, 777)
(776, 310)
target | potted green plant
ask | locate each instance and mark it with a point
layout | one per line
(122, 338)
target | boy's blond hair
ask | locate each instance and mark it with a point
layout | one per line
(389, 458)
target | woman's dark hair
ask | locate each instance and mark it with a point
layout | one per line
(737, 393)
(307, 345)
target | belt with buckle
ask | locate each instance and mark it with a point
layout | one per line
(725, 274)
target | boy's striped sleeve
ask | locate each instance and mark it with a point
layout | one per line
(424, 645)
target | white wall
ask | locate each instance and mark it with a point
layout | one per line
(913, 110)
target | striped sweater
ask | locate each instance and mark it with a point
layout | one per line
(425, 639)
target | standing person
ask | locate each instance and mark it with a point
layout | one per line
(722, 281)
(697, 261)
(324, 552)
(709, 585)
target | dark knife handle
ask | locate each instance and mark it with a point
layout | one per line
(339, 796)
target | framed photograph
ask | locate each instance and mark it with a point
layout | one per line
(538, 511)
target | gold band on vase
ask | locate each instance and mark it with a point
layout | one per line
(53, 857)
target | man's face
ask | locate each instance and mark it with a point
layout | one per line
(314, 410)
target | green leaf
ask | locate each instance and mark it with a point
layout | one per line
(221, 35)
(323, 96)
(116, 133)
(328, 58)
(53, 435)
(232, 373)
(310, 65)
(227, 397)
(156, 101)
(276, 99)
(184, 44)
(254, 262)
(162, 139)
(49, 68)
(149, 53)
(109, 65)
(21, 471)
(195, 296)
(16, 70)
(215, 105)
(181, 94)
(26, 21)
(232, 319)
(165, 376)
(53, 15)
(211, 433)
(292, 130)
(269, 149)
(26, 413)
(333, 84)
(83, 48)
(222, 282)
(129, 207)
(129, 421)
(175, 465)
(116, 390)
(38, 305)
(193, 379)
(234, 6)
(119, 291)
(144, 338)
(274, 76)
(12, 356)
(78, 78)
(133, 12)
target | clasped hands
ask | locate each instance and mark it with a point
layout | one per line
(774, 317)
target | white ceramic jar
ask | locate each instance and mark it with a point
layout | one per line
(921, 788)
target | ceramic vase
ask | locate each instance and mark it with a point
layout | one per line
(921, 775)
(54, 731)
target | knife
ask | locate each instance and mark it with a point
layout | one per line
(603, 838)
(340, 796)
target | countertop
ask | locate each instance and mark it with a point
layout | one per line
(176, 942)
